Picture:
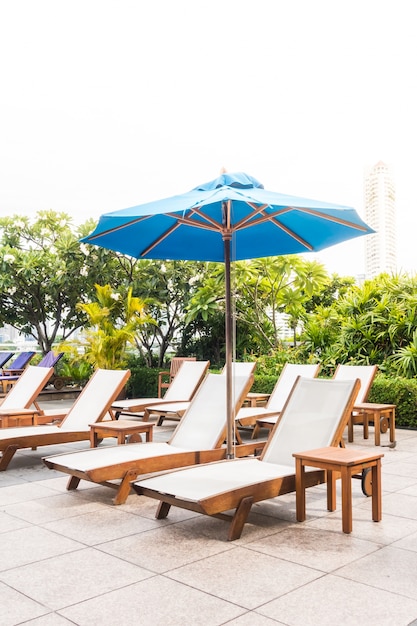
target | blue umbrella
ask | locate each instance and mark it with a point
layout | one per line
(232, 216)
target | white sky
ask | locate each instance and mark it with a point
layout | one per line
(105, 104)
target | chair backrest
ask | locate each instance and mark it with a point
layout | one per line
(95, 399)
(241, 368)
(365, 373)
(285, 383)
(314, 416)
(176, 363)
(186, 381)
(50, 359)
(27, 388)
(21, 361)
(203, 425)
(4, 357)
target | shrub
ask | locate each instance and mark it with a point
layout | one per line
(399, 391)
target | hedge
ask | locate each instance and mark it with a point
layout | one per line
(399, 391)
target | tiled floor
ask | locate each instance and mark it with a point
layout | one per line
(74, 558)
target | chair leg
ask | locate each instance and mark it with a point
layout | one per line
(239, 518)
(73, 483)
(124, 488)
(238, 437)
(7, 456)
(350, 429)
(162, 510)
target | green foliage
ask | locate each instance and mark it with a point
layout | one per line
(143, 381)
(114, 321)
(373, 323)
(399, 391)
(44, 272)
(166, 288)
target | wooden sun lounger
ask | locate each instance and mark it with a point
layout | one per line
(20, 402)
(366, 375)
(248, 416)
(197, 438)
(92, 405)
(175, 410)
(314, 416)
(182, 388)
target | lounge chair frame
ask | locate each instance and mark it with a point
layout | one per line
(125, 463)
(241, 498)
(92, 405)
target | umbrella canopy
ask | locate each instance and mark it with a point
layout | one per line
(232, 216)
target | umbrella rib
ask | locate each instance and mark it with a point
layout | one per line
(120, 227)
(210, 221)
(157, 241)
(272, 217)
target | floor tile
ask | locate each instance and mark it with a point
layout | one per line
(16, 607)
(391, 569)
(101, 526)
(28, 545)
(71, 578)
(389, 529)
(244, 577)
(331, 600)
(166, 548)
(320, 550)
(51, 508)
(157, 601)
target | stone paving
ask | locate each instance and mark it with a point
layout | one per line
(75, 558)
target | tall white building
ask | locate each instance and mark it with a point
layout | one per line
(380, 248)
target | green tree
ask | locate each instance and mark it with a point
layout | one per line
(166, 287)
(375, 323)
(113, 322)
(262, 290)
(44, 274)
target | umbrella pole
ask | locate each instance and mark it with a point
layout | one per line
(229, 352)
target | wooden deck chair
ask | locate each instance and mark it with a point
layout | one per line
(266, 416)
(20, 403)
(175, 410)
(92, 405)
(197, 438)
(10, 374)
(314, 416)
(366, 375)
(4, 357)
(165, 378)
(182, 388)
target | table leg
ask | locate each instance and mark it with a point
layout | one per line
(331, 490)
(350, 429)
(377, 426)
(392, 426)
(346, 500)
(300, 492)
(376, 492)
(365, 425)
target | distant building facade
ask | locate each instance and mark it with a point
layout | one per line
(379, 199)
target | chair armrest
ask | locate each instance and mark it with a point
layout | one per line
(163, 384)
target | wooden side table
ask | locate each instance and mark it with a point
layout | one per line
(254, 398)
(382, 416)
(120, 429)
(347, 462)
(18, 417)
